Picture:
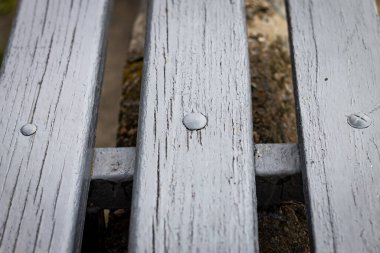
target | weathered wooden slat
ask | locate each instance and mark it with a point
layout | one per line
(111, 180)
(51, 78)
(276, 159)
(114, 164)
(113, 168)
(118, 164)
(194, 190)
(336, 51)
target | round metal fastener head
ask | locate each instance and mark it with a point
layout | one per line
(194, 121)
(28, 129)
(359, 120)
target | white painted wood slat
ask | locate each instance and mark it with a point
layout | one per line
(194, 191)
(336, 51)
(51, 78)
(118, 164)
(114, 164)
(276, 159)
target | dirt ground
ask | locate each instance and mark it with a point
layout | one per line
(119, 34)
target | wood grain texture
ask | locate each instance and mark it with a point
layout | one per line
(276, 159)
(113, 169)
(336, 51)
(112, 178)
(114, 164)
(194, 191)
(51, 78)
(118, 164)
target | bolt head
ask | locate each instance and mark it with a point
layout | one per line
(359, 120)
(28, 129)
(194, 121)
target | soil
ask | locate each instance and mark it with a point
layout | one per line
(119, 34)
(271, 76)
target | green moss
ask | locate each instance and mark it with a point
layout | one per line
(7, 6)
(1, 55)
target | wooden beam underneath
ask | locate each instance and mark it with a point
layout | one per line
(113, 169)
(117, 164)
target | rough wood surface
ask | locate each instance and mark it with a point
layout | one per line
(276, 159)
(336, 49)
(194, 190)
(111, 179)
(113, 169)
(51, 78)
(118, 164)
(113, 164)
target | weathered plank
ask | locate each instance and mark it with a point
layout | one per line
(194, 190)
(51, 78)
(276, 159)
(336, 51)
(113, 164)
(118, 164)
(113, 168)
(111, 180)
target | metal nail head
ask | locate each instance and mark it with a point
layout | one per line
(359, 120)
(194, 121)
(28, 129)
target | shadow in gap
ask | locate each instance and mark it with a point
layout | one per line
(281, 210)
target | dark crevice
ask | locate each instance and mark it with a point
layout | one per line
(282, 215)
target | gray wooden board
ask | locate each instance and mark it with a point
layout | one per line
(336, 51)
(118, 164)
(276, 159)
(113, 164)
(113, 168)
(194, 191)
(111, 179)
(51, 77)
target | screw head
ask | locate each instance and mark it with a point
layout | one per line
(28, 129)
(359, 120)
(194, 121)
